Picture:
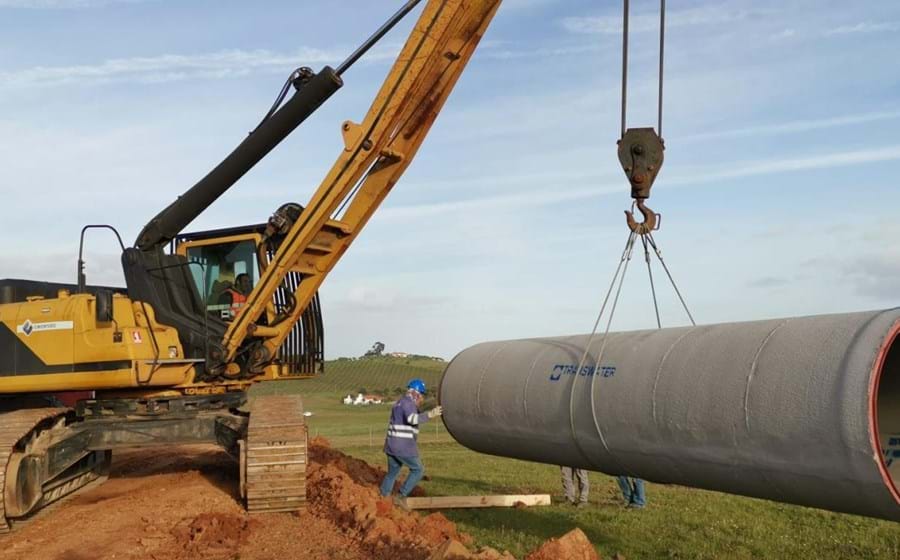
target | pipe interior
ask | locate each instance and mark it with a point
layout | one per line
(888, 410)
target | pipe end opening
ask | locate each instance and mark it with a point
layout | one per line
(886, 410)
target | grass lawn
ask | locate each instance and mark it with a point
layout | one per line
(372, 374)
(677, 523)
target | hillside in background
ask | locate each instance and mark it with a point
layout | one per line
(381, 375)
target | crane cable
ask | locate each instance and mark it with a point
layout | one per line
(650, 275)
(623, 264)
(656, 250)
(662, 52)
(646, 237)
(647, 242)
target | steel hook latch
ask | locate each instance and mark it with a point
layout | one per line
(651, 219)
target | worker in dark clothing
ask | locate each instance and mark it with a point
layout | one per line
(400, 444)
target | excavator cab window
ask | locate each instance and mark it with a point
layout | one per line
(225, 273)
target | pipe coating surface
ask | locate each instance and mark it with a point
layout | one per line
(802, 410)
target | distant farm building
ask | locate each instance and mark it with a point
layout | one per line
(362, 400)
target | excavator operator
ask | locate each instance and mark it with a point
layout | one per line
(236, 295)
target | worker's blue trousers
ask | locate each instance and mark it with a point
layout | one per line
(633, 491)
(416, 472)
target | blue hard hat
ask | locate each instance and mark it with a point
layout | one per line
(417, 385)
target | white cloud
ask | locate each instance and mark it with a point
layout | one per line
(365, 297)
(170, 67)
(736, 170)
(101, 269)
(516, 5)
(164, 68)
(787, 33)
(864, 27)
(639, 23)
(875, 275)
(521, 200)
(796, 126)
(62, 4)
(499, 52)
(772, 166)
(233, 63)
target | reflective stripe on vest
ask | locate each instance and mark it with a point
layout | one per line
(401, 435)
(237, 300)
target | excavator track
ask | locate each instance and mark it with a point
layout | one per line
(274, 456)
(15, 426)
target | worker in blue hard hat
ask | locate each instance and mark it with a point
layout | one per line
(400, 443)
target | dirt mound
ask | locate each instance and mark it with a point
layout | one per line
(338, 489)
(181, 502)
(574, 545)
(173, 503)
(211, 535)
(321, 452)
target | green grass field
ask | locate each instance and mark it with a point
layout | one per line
(678, 522)
(373, 374)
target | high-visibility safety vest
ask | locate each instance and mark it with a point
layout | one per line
(237, 300)
(403, 428)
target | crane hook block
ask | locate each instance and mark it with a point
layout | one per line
(641, 156)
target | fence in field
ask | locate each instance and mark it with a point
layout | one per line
(361, 435)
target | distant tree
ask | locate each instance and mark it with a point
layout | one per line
(375, 351)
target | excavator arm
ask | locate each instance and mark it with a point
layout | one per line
(376, 153)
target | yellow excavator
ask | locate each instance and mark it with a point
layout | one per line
(169, 359)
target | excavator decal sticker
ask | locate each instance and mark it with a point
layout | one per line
(28, 327)
(18, 359)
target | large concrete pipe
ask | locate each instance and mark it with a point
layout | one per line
(802, 410)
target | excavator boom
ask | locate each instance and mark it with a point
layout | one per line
(312, 90)
(174, 218)
(376, 153)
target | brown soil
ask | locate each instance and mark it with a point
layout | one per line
(321, 452)
(344, 491)
(574, 545)
(180, 503)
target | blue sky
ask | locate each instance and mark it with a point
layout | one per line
(779, 192)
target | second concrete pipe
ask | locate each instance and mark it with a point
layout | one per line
(802, 410)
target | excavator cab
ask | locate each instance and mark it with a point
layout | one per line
(217, 264)
(218, 258)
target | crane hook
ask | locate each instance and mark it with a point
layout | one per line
(651, 219)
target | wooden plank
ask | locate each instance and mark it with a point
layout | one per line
(455, 502)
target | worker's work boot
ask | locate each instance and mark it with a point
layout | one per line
(400, 502)
(581, 505)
